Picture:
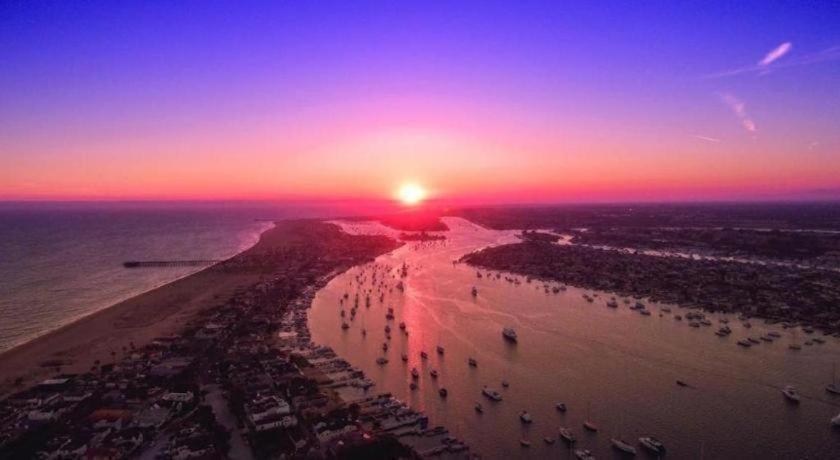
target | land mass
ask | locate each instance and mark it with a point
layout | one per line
(778, 293)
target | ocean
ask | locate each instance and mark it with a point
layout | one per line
(62, 261)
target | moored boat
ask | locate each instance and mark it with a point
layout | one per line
(652, 444)
(791, 394)
(623, 446)
(509, 334)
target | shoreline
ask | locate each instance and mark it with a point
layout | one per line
(75, 346)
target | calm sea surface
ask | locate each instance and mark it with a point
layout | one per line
(59, 262)
(613, 366)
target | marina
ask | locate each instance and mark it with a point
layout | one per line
(603, 363)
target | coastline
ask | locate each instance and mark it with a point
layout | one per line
(159, 311)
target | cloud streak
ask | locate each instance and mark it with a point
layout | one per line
(826, 55)
(775, 54)
(707, 138)
(740, 110)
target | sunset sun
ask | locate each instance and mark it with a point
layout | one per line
(411, 194)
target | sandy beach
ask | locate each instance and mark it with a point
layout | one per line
(138, 320)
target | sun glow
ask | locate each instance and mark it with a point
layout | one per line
(411, 194)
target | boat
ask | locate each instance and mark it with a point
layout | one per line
(791, 394)
(525, 417)
(795, 346)
(774, 334)
(567, 435)
(753, 340)
(381, 360)
(524, 443)
(345, 326)
(412, 386)
(440, 350)
(505, 384)
(652, 444)
(387, 328)
(836, 420)
(584, 454)
(588, 424)
(747, 324)
(644, 312)
(491, 393)
(402, 325)
(682, 383)
(405, 357)
(443, 392)
(479, 408)
(364, 331)
(472, 362)
(434, 374)
(549, 440)
(745, 343)
(665, 309)
(385, 346)
(612, 303)
(424, 355)
(474, 291)
(415, 374)
(509, 334)
(560, 407)
(678, 317)
(623, 446)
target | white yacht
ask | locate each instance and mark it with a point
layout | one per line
(525, 417)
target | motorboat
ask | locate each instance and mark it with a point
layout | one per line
(381, 360)
(652, 444)
(474, 291)
(584, 454)
(745, 343)
(479, 408)
(405, 357)
(525, 417)
(402, 325)
(682, 383)
(505, 384)
(623, 446)
(590, 425)
(434, 374)
(415, 374)
(440, 350)
(345, 326)
(836, 420)
(524, 443)
(560, 407)
(424, 355)
(509, 334)
(472, 362)
(567, 435)
(443, 392)
(791, 394)
(549, 440)
(412, 386)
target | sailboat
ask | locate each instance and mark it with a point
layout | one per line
(832, 387)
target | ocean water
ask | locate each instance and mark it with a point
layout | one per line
(612, 366)
(62, 261)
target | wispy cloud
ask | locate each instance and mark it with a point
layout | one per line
(826, 55)
(707, 138)
(740, 110)
(775, 54)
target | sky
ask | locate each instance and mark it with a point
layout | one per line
(472, 101)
